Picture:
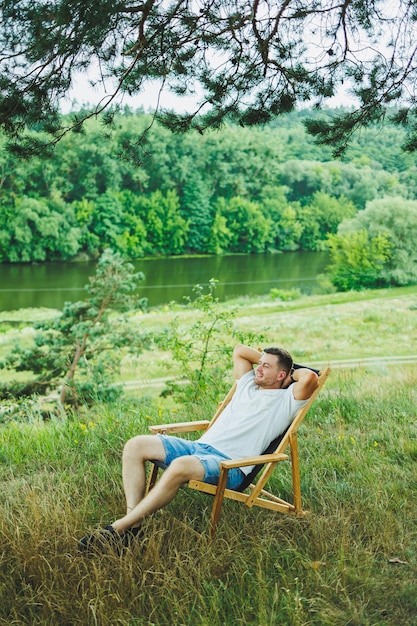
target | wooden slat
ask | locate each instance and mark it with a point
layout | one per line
(295, 466)
(218, 500)
(153, 475)
(276, 504)
(179, 427)
(255, 460)
(198, 485)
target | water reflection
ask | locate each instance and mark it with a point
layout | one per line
(52, 284)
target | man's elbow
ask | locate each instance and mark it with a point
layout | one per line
(237, 349)
(240, 351)
(309, 382)
(311, 379)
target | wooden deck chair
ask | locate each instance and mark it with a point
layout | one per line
(251, 493)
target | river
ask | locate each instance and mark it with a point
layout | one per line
(53, 284)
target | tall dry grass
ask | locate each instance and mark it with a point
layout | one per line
(351, 561)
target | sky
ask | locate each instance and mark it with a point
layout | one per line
(82, 93)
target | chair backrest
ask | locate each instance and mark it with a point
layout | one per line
(281, 442)
(257, 468)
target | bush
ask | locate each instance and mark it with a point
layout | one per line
(285, 295)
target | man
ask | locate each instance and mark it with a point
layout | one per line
(265, 402)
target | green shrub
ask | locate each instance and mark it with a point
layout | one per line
(285, 295)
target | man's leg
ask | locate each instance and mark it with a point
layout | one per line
(135, 454)
(179, 472)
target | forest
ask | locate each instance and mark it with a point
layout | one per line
(234, 190)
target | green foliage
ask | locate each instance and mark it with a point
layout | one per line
(376, 247)
(249, 228)
(244, 61)
(357, 181)
(396, 220)
(38, 230)
(236, 190)
(330, 212)
(286, 228)
(166, 229)
(197, 210)
(284, 295)
(202, 351)
(321, 218)
(84, 339)
(220, 234)
(358, 260)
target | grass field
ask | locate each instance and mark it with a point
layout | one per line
(352, 561)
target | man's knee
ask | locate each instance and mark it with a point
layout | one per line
(133, 446)
(185, 468)
(144, 447)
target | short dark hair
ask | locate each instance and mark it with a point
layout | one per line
(284, 358)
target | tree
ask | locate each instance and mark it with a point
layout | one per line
(321, 218)
(286, 229)
(395, 219)
(242, 161)
(166, 230)
(358, 260)
(303, 178)
(354, 181)
(248, 59)
(196, 209)
(84, 338)
(250, 230)
(38, 230)
(220, 234)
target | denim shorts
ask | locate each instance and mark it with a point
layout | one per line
(208, 456)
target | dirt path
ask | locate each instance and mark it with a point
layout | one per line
(336, 364)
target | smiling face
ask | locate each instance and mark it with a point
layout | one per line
(269, 374)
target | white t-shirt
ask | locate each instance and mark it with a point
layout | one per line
(252, 419)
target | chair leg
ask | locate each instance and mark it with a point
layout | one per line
(295, 465)
(218, 501)
(152, 478)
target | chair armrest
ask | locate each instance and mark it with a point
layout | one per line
(179, 427)
(254, 460)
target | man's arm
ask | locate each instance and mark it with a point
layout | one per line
(305, 382)
(244, 358)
